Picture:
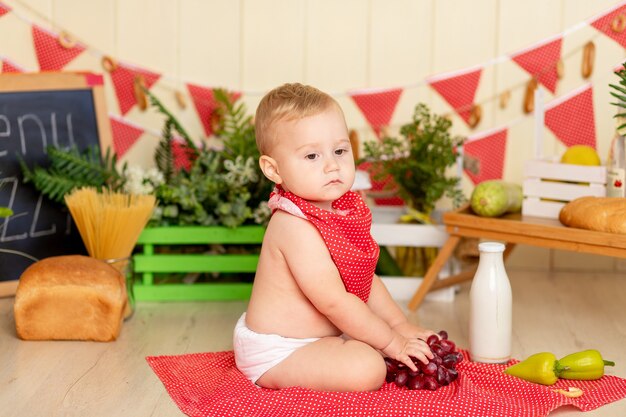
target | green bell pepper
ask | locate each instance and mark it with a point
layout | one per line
(586, 365)
(543, 368)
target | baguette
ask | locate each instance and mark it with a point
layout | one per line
(602, 214)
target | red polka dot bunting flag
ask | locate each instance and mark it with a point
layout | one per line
(571, 118)
(377, 106)
(204, 101)
(4, 9)
(123, 78)
(51, 54)
(8, 66)
(488, 150)
(541, 62)
(459, 90)
(613, 24)
(124, 135)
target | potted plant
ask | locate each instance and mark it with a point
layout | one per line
(418, 162)
(210, 185)
(211, 213)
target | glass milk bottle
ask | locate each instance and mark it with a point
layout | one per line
(491, 315)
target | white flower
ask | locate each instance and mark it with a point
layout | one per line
(240, 172)
(249, 171)
(139, 181)
(155, 176)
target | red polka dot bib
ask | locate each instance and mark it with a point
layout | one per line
(346, 232)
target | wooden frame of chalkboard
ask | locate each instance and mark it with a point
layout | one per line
(37, 110)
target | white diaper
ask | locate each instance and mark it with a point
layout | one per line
(256, 353)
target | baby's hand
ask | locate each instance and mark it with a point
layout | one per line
(402, 349)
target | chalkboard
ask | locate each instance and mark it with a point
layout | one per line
(37, 111)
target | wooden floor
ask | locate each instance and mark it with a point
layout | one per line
(558, 312)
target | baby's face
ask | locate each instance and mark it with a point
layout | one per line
(314, 157)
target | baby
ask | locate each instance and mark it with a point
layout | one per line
(318, 316)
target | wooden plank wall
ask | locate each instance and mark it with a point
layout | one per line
(254, 45)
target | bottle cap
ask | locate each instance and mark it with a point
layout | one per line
(491, 247)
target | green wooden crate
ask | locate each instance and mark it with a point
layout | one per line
(148, 262)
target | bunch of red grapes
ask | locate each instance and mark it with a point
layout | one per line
(438, 372)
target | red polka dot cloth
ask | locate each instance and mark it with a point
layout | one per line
(346, 233)
(209, 384)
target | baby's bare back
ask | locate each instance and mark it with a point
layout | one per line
(277, 305)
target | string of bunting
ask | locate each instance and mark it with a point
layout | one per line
(570, 117)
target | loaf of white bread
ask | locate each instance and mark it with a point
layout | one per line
(70, 297)
(602, 214)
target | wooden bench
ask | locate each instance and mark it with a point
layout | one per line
(512, 229)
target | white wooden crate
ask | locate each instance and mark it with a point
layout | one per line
(545, 193)
(387, 232)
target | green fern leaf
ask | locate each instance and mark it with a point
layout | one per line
(53, 186)
(73, 164)
(71, 168)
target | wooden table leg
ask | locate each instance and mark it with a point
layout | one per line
(433, 272)
(454, 279)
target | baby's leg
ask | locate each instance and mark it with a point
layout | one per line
(329, 364)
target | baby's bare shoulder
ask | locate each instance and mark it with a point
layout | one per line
(281, 220)
(291, 230)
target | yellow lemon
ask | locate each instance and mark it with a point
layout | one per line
(580, 155)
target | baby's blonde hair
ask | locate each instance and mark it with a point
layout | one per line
(287, 102)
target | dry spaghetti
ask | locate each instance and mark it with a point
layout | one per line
(109, 223)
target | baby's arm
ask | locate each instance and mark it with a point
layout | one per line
(386, 308)
(317, 276)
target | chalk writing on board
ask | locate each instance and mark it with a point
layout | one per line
(40, 128)
(29, 123)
